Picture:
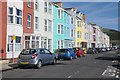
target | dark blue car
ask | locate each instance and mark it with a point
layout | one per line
(66, 53)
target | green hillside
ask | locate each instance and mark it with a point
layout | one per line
(114, 34)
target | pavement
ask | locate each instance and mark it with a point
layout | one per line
(5, 65)
(102, 65)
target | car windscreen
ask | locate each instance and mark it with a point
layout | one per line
(63, 50)
(28, 51)
(76, 48)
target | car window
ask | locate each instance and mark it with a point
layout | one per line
(33, 51)
(47, 52)
(42, 51)
(63, 50)
(28, 51)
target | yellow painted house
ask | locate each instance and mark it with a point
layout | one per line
(81, 31)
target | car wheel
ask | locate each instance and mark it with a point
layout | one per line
(54, 62)
(75, 57)
(39, 64)
(70, 57)
(20, 66)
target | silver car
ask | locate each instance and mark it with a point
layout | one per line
(36, 57)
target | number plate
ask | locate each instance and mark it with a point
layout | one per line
(24, 62)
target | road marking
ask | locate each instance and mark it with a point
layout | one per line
(117, 76)
(104, 72)
(69, 76)
(110, 71)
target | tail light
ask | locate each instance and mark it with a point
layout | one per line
(34, 55)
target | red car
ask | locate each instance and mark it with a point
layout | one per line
(79, 52)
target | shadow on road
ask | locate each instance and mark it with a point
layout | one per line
(108, 58)
(32, 67)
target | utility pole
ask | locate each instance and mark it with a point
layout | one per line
(13, 38)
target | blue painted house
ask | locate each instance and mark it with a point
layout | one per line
(62, 28)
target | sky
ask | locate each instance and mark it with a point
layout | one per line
(104, 14)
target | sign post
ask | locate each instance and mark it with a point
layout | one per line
(13, 39)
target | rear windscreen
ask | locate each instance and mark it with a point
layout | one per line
(63, 50)
(28, 51)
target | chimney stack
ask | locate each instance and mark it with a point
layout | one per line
(59, 3)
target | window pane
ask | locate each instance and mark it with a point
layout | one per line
(29, 3)
(33, 37)
(10, 47)
(10, 11)
(27, 37)
(10, 19)
(18, 39)
(9, 39)
(29, 17)
(33, 44)
(58, 13)
(37, 38)
(45, 3)
(18, 47)
(61, 29)
(37, 44)
(27, 44)
(18, 12)
(45, 25)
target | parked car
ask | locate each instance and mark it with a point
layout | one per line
(79, 52)
(89, 51)
(66, 53)
(85, 50)
(104, 49)
(92, 51)
(36, 57)
(95, 50)
(108, 49)
(99, 50)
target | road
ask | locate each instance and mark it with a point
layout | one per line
(91, 66)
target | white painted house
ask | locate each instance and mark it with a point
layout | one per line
(14, 27)
(43, 23)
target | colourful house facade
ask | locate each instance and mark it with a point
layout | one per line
(60, 30)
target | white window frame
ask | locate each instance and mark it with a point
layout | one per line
(18, 16)
(48, 7)
(29, 5)
(61, 29)
(28, 21)
(60, 16)
(48, 26)
(36, 5)
(10, 15)
(58, 45)
(36, 23)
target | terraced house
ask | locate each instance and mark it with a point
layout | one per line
(72, 25)
(61, 28)
(44, 24)
(78, 29)
(89, 28)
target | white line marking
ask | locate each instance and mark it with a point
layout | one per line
(117, 76)
(69, 76)
(104, 72)
(117, 72)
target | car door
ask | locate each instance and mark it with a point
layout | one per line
(49, 56)
(43, 56)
